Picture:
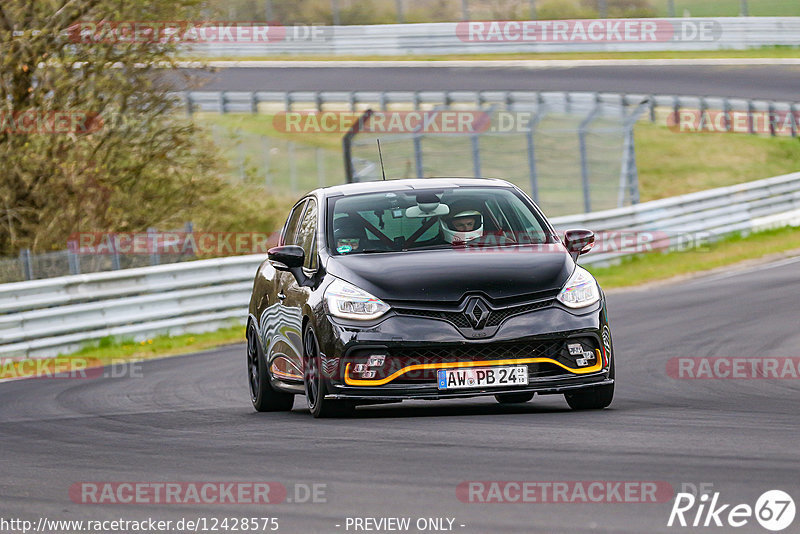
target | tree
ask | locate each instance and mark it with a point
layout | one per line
(125, 159)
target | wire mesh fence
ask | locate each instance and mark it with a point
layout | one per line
(77, 259)
(281, 165)
(571, 156)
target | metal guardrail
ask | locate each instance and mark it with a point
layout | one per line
(761, 116)
(673, 34)
(46, 317)
(58, 315)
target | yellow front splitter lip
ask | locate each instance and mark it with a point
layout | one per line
(455, 365)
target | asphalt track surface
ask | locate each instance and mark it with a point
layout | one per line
(189, 419)
(774, 82)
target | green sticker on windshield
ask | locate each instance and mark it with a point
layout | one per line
(344, 249)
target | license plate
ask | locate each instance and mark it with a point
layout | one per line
(483, 377)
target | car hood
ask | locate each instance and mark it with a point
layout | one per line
(447, 275)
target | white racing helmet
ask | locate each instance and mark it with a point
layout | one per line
(454, 235)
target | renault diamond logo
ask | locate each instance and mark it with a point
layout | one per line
(477, 313)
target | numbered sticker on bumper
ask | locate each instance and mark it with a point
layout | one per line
(483, 377)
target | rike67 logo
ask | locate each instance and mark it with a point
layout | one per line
(774, 510)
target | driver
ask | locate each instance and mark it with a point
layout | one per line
(349, 234)
(463, 224)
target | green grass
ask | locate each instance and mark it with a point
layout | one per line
(108, 351)
(655, 266)
(764, 52)
(672, 163)
(729, 8)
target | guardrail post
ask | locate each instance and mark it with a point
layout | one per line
(351, 98)
(25, 262)
(187, 95)
(652, 106)
(743, 9)
(116, 265)
(401, 19)
(382, 101)
(703, 114)
(253, 102)
(416, 101)
(476, 154)
(726, 114)
(751, 127)
(671, 9)
(287, 101)
(676, 110)
(152, 242)
(582, 131)
(772, 119)
(464, 9)
(418, 155)
(602, 8)
(532, 9)
(318, 100)
(532, 165)
(335, 12)
(793, 119)
(222, 101)
(73, 259)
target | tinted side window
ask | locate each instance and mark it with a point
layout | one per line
(306, 235)
(289, 231)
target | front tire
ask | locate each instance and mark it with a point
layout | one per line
(595, 398)
(315, 383)
(263, 396)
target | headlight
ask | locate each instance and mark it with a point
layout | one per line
(580, 290)
(347, 301)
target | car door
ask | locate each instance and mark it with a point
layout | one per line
(279, 329)
(295, 295)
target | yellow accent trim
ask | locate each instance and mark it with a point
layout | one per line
(492, 363)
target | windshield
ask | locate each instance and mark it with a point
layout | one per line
(428, 219)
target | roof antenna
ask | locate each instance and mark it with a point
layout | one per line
(381, 156)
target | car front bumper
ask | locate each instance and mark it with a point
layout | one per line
(413, 349)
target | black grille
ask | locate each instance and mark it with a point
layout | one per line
(477, 351)
(459, 318)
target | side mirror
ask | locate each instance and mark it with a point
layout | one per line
(287, 257)
(290, 258)
(578, 242)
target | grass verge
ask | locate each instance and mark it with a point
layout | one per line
(656, 266)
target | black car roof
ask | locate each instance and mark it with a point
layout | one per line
(413, 183)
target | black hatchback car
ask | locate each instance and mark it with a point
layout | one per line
(425, 289)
